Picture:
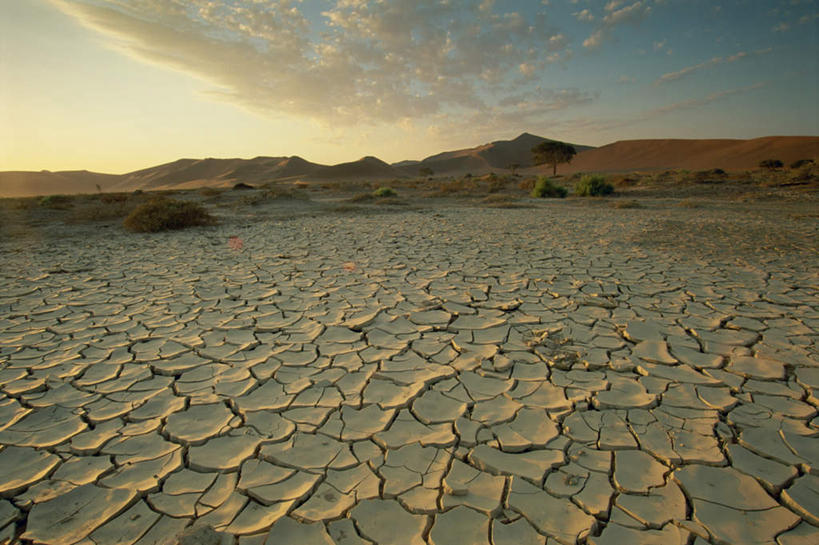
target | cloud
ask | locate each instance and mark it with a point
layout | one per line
(672, 76)
(679, 74)
(603, 125)
(355, 63)
(697, 102)
(584, 15)
(781, 27)
(631, 14)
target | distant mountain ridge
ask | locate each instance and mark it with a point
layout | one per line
(498, 156)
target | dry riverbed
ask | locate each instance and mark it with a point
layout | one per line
(431, 372)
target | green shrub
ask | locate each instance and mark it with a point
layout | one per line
(544, 187)
(801, 163)
(60, 202)
(384, 192)
(593, 186)
(771, 164)
(162, 214)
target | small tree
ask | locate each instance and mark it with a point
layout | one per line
(513, 167)
(771, 164)
(426, 172)
(553, 153)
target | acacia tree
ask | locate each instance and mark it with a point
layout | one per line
(553, 153)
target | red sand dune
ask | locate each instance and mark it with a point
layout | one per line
(648, 155)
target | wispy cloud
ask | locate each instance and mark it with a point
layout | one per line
(605, 125)
(616, 15)
(584, 15)
(357, 62)
(688, 70)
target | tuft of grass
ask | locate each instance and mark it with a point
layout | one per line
(544, 187)
(626, 204)
(362, 197)
(276, 194)
(382, 192)
(593, 186)
(162, 214)
(56, 202)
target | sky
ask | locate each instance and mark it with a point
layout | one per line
(118, 85)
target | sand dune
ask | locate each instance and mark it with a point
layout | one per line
(498, 155)
(621, 156)
(23, 183)
(631, 155)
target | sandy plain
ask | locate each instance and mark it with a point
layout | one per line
(444, 372)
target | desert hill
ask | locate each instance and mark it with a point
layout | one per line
(44, 182)
(621, 156)
(498, 155)
(727, 154)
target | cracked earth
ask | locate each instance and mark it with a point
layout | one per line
(505, 377)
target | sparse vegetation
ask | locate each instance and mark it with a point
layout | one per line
(425, 172)
(626, 204)
(382, 192)
(111, 198)
(210, 192)
(273, 194)
(771, 164)
(544, 187)
(362, 197)
(163, 214)
(593, 186)
(56, 202)
(553, 153)
(802, 163)
(100, 211)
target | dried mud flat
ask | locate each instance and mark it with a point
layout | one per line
(555, 374)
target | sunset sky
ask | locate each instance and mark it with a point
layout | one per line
(118, 85)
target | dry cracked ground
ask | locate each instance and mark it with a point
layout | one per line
(450, 376)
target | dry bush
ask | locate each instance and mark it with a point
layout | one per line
(301, 185)
(161, 214)
(23, 203)
(527, 184)
(210, 192)
(110, 198)
(100, 211)
(277, 194)
(57, 202)
(688, 203)
(626, 204)
(622, 180)
(362, 197)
